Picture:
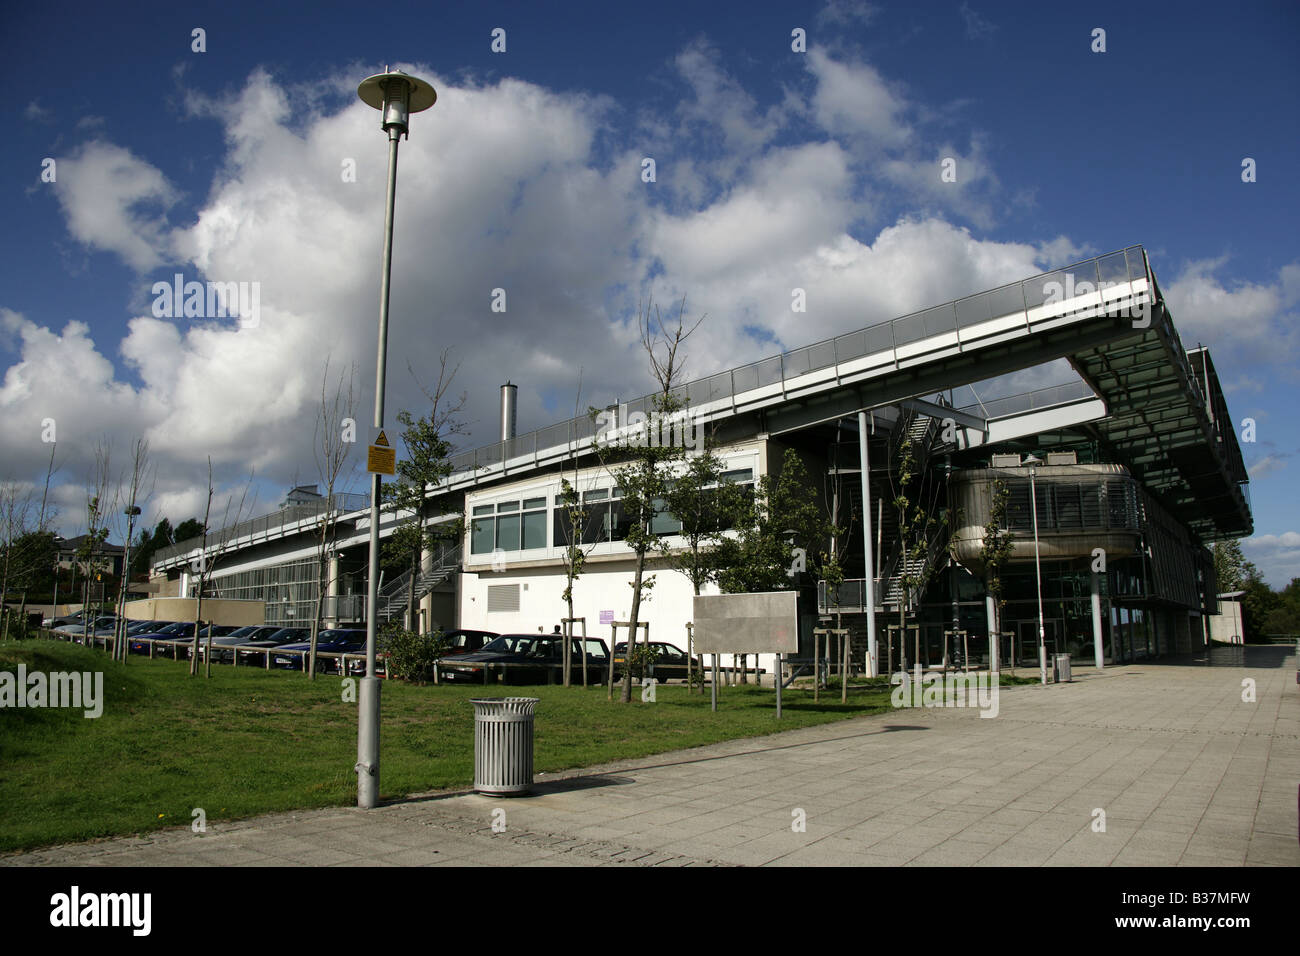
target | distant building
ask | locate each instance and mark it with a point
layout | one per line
(1228, 626)
(108, 557)
(302, 495)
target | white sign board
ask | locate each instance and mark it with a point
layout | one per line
(766, 623)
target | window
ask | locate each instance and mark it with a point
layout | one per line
(508, 526)
(596, 527)
(534, 526)
(482, 533)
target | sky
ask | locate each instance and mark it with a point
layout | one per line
(794, 146)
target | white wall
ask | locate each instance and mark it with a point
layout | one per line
(605, 583)
(1227, 626)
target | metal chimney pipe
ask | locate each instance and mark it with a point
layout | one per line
(509, 399)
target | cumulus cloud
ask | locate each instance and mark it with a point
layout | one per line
(114, 200)
(853, 99)
(1276, 555)
(1250, 323)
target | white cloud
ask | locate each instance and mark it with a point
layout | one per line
(847, 13)
(854, 99)
(1276, 555)
(1254, 324)
(115, 201)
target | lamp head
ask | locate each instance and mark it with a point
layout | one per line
(396, 95)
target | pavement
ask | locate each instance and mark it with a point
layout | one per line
(1161, 763)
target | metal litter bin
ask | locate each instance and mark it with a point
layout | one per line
(1062, 662)
(503, 744)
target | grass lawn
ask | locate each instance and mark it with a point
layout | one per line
(248, 742)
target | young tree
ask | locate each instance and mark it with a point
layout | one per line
(428, 450)
(15, 508)
(99, 508)
(646, 458)
(572, 522)
(1229, 566)
(995, 550)
(701, 501)
(332, 443)
(919, 532)
(781, 516)
(141, 472)
(205, 564)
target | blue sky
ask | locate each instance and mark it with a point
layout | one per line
(775, 169)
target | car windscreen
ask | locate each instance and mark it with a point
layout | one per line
(510, 644)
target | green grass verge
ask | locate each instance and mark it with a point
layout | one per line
(248, 742)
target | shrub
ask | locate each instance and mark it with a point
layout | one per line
(410, 656)
(641, 657)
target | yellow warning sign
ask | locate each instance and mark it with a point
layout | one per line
(382, 440)
(381, 459)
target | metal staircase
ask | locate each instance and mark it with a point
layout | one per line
(922, 431)
(395, 596)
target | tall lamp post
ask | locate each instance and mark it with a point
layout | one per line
(396, 95)
(1033, 462)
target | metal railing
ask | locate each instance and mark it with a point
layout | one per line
(1125, 265)
(339, 504)
(1031, 401)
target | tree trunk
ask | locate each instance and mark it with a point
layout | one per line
(566, 647)
(631, 637)
(411, 623)
(198, 619)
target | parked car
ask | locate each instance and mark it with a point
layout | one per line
(57, 623)
(460, 641)
(531, 659)
(223, 646)
(168, 632)
(218, 631)
(669, 663)
(285, 635)
(78, 631)
(337, 640)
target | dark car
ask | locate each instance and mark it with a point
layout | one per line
(222, 647)
(219, 632)
(669, 663)
(58, 623)
(527, 659)
(168, 632)
(460, 641)
(78, 631)
(285, 635)
(338, 640)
